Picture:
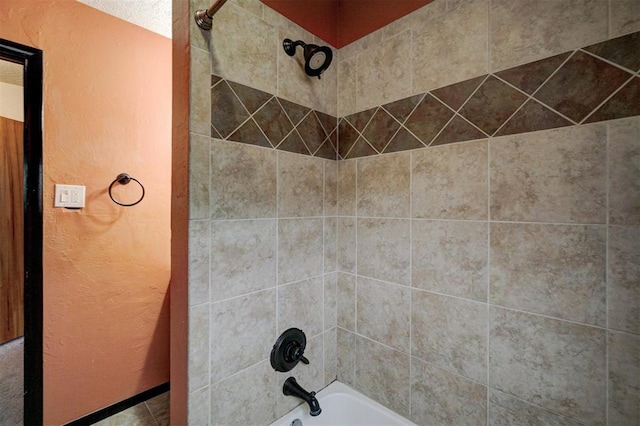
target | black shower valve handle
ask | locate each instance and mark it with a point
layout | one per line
(289, 350)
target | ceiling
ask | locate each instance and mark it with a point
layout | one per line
(154, 15)
(340, 22)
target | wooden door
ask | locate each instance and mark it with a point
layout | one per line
(11, 230)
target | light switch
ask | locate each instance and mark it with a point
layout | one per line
(70, 196)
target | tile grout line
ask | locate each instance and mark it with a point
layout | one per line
(411, 243)
(488, 297)
(530, 97)
(605, 60)
(209, 289)
(157, 423)
(324, 274)
(355, 301)
(277, 243)
(606, 279)
(607, 99)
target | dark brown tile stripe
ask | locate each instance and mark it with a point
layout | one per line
(582, 85)
(380, 129)
(361, 149)
(295, 112)
(333, 138)
(347, 136)
(214, 133)
(241, 113)
(624, 51)
(273, 121)
(250, 97)
(328, 122)
(529, 77)
(327, 150)
(625, 103)
(455, 95)
(401, 109)
(312, 132)
(360, 120)
(458, 130)
(293, 143)
(227, 112)
(403, 141)
(428, 118)
(531, 117)
(250, 133)
(492, 105)
(573, 83)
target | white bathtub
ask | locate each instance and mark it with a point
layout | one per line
(343, 406)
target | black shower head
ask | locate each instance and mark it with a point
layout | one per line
(316, 58)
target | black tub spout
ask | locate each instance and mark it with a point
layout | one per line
(291, 387)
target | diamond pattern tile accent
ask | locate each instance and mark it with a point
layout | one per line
(531, 117)
(311, 132)
(624, 51)
(227, 112)
(625, 103)
(328, 122)
(380, 129)
(251, 134)
(529, 77)
(361, 149)
(359, 120)
(333, 138)
(456, 94)
(428, 118)
(293, 143)
(214, 133)
(250, 97)
(580, 85)
(273, 121)
(403, 141)
(326, 151)
(458, 130)
(347, 137)
(295, 112)
(492, 104)
(402, 108)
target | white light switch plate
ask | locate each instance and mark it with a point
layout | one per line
(71, 196)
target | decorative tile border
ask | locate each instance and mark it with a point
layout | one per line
(596, 83)
(243, 114)
(599, 82)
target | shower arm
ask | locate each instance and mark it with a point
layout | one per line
(204, 18)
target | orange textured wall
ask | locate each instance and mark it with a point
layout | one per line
(107, 110)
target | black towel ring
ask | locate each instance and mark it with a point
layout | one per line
(124, 179)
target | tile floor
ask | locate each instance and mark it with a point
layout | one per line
(154, 412)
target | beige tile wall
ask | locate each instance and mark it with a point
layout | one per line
(486, 281)
(263, 229)
(492, 285)
(519, 254)
(262, 260)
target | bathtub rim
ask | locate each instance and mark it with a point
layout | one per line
(336, 388)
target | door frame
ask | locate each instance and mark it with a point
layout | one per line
(32, 60)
